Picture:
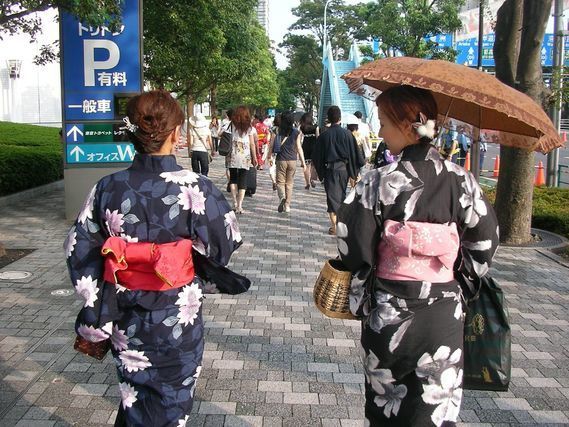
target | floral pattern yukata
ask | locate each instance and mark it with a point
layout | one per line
(412, 330)
(156, 337)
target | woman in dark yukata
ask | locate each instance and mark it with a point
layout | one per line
(148, 243)
(406, 223)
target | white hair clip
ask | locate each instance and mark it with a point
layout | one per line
(131, 127)
(425, 127)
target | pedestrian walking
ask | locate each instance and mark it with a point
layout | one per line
(402, 228)
(483, 150)
(382, 155)
(364, 133)
(335, 160)
(287, 146)
(269, 156)
(450, 149)
(263, 136)
(200, 145)
(243, 155)
(139, 253)
(310, 133)
(463, 145)
(215, 127)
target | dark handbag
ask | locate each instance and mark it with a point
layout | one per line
(98, 350)
(225, 141)
(487, 337)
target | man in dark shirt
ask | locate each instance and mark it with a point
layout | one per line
(334, 158)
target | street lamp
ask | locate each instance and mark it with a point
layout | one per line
(325, 30)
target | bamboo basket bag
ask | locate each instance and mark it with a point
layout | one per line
(332, 290)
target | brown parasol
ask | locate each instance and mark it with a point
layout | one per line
(467, 94)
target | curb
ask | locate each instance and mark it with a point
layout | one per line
(30, 193)
(550, 241)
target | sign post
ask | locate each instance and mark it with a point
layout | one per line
(100, 71)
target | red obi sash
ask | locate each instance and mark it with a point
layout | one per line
(148, 266)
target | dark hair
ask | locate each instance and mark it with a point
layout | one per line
(156, 114)
(334, 114)
(214, 117)
(277, 120)
(306, 119)
(403, 104)
(285, 126)
(358, 114)
(241, 119)
(352, 126)
(229, 113)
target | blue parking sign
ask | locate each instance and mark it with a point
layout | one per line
(99, 64)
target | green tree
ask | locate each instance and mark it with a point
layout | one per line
(259, 88)
(305, 67)
(404, 25)
(287, 99)
(21, 16)
(342, 23)
(520, 28)
(191, 47)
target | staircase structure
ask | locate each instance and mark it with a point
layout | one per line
(335, 91)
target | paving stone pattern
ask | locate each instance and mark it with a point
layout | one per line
(271, 359)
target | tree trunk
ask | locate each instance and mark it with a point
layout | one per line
(507, 44)
(2, 250)
(515, 187)
(213, 100)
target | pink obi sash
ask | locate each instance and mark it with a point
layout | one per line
(417, 251)
(148, 266)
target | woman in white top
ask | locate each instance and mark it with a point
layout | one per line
(214, 128)
(242, 155)
(199, 144)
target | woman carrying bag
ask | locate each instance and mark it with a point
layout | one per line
(199, 144)
(287, 145)
(405, 224)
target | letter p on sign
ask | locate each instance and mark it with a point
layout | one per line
(91, 65)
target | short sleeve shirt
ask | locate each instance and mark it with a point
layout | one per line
(240, 156)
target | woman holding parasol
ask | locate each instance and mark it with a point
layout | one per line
(405, 224)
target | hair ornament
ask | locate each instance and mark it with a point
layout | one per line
(425, 127)
(131, 127)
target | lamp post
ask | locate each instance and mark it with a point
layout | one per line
(325, 30)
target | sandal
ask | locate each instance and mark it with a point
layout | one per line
(332, 231)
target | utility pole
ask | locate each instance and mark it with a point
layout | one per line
(556, 85)
(475, 147)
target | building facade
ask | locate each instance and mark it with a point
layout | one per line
(263, 14)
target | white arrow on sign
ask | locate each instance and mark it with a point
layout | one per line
(74, 130)
(77, 152)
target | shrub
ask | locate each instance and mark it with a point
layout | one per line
(550, 209)
(30, 156)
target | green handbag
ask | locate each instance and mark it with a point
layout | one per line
(487, 338)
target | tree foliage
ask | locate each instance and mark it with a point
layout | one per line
(20, 16)
(305, 67)
(17, 17)
(342, 23)
(258, 88)
(208, 43)
(405, 25)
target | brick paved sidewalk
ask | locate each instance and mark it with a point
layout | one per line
(271, 358)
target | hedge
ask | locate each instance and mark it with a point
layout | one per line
(30, 156)
(550, 210)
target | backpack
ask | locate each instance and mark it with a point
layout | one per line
(225, 141)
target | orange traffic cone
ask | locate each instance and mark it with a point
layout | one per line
(496, 173)
(467, 161)
(540, 175)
